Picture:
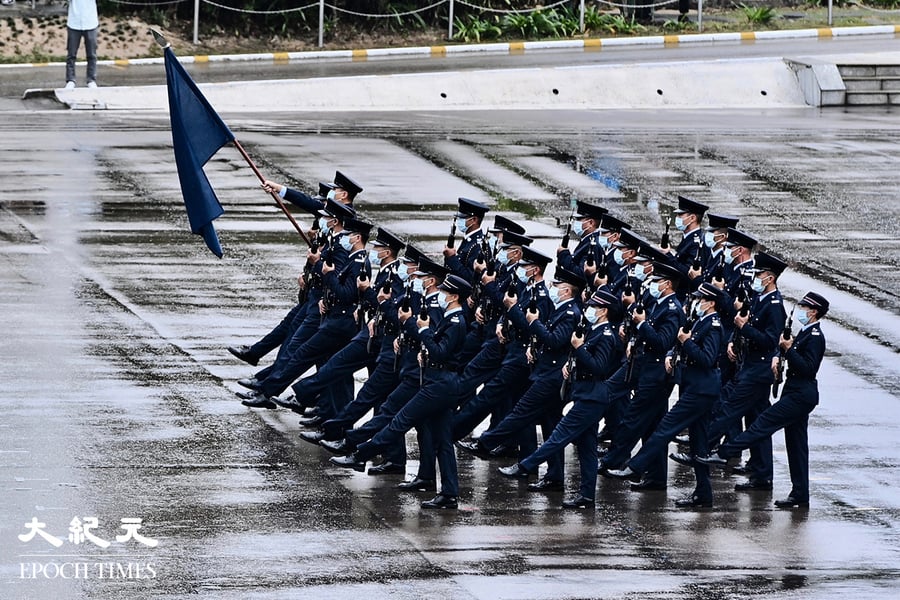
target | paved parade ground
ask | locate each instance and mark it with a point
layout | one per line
(118, 397)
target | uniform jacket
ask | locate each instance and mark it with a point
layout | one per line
(804, 359)
(700, 357)
(553, 339)
(463, 263)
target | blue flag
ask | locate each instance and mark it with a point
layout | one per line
(197, 134)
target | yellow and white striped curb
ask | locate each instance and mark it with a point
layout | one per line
(505, 47)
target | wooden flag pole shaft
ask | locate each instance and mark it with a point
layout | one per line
(277, 198)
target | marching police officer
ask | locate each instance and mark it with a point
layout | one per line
(461, 261)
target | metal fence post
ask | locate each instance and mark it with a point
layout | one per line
(450, 22)
(830, 3)
(581, 18)
(700, 16)
(321, 23)
(196, 21)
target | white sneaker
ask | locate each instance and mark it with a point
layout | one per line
(92, 84)
(70, 85)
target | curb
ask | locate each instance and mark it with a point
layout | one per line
(587, 45)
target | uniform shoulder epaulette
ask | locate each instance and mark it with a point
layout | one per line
(716, 322)
(672, 305)
(607, 332)
(454, 318)
(775, 301)
(815, 332)
(570, 312)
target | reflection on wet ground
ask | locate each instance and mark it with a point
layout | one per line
(118, 398)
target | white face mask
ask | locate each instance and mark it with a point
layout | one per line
(709, 239)
(654, 289)
(442, 300)
(578, 227)
(679, 224)
(374, 259)
(522, 274)
(619, 256)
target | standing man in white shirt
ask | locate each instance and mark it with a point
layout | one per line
(82, 23)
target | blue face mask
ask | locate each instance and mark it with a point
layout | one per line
(330, 195)
(639, 273)
(591, 314)
(709, 239)
(522, 274)
(654, 289)
(729, 257)
(345, 243)
(619, 256)
(403, 272)
(418, 286)
(578, 228)
(803, 318)
(603, 240)
(679, 224)
(492, 242)
(461, 224)
(698, 311)
(554, 295)
(323, 225)
(442, 300)
(503, 257)
(374, 259)
(757, 286)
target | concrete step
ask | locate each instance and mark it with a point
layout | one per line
(873, 98)
(869, 70)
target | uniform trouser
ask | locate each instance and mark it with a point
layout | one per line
(281, 333)
(792, 414)
(691, 411)
(748, 396)
(482, 368)
(619, 393)
(510, 382)
(539, 405)
(431, 406)
(396, 400)
(377, 387)
(641, 417)
(332, 335)
(305, 325)
(90, 50)
(347, 361)
(578, 427)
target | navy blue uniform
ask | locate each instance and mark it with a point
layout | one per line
(588, 246)
(462, 263)
(541, 403)
(749, 396)
(699, 384)
(433, 403)
(595, 361)
(654, 338)
(791, 413)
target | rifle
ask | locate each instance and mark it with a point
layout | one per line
(779, 370)
(303, 292)
(737, 342)
(631, 335)
(379, 316)
(362, 307)
(405, 305)
(573, 204)
(718, 272)
(423, 354)
(696, 264)
(532, 307)
(451, 239)
(579, 330)
(511, 290)
(678, 350)
(664, 241)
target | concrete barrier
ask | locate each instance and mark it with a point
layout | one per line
(751, 83)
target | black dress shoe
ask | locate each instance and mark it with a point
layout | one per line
(313, 437)
(693, 502)
(682, 458)
(248, 395)
(243, 353)
(339, 447)
(475, 448)
(752, 486)
(740, 470)
(504, 451)
(605, 435)
(387, 468)
(259, 401)
(290, 403)
(310, 411)
(683, 439)
(348, 462)
(311, 422)
(713, 460)
(516, 471)
(645, 485)
(578, 502)
(251, 383)
(625, 473)
(546, 485)
(418, 485)
(791, 502)
(441, 501)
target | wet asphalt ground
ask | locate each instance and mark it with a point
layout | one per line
(119, 401)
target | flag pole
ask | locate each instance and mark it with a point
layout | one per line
(277, 197)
